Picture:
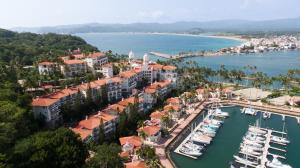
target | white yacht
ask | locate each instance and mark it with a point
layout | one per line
(298, 120)
(250, 111)
(257, 130)
(208, 132)
(254, 139)
(275, 163)
(245, 161)
(253, 143)
(279, 139)
(252, 147)
(191, 145)
(220, 113)
(250, 151)
(191, 152)
(204, 139)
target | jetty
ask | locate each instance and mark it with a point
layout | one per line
(263, 158)
(178, 56)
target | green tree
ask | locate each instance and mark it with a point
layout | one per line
(59, 148)
(106, 156)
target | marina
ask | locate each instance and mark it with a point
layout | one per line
(202, 135)
(231, 134)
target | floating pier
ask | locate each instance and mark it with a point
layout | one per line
(265, 150)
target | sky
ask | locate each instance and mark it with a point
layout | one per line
(35, 13)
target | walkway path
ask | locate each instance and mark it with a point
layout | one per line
(162, 145)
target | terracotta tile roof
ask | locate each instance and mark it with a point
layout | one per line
(129, 100)
(115, 107)
(150, 130)
(150, 91)
(83, 133)
(156, 66)
(63, 93)
(170, 107)
(46, 63)
(134, 140)
(94, 121)
(69, 62)
(79, 56)
(43, 102)
(157, 115)
(228, 89)
(158, 85)
(96, 54)
(127, 74)
(173, 100)
(136, 164)
(169, 68)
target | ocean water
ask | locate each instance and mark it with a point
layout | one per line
(226, 143)
(272, 63)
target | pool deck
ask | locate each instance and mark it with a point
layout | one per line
(160, 147)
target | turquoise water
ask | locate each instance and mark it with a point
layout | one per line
(272, 63)
(226, 143)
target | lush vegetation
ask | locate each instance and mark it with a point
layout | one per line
(26, 48)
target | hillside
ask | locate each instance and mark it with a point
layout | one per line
(280, 25)
(29, 47)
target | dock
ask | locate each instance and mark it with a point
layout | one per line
(265, 150)
(177, 56)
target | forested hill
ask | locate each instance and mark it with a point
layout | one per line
(25, 48)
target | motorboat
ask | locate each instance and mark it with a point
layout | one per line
(213, 121)
(253, 143)
(298, 120)
(252, 147)
(257, 130)
(265, 115)
(260, 136)
(191, 145)
(220, 113)
(279, 139)
(275, 163)
(254, 138)
(250, 151)
(208, 132)
(203, 139)
(244, 161)
(250, 111)
(210, 127)
(191, 152)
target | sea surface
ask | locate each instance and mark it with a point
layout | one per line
(227, 141)
(272, 63)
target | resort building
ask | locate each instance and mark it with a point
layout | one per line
(151, 133)
(129, 81)
(157, 118)
(152, 71)
(106, 70)
(157, 90)
(174, 107)
(96, 60)
(88, 129)
(130, 145)
(132, 101)
(72, 68)
(49, 106)
(46, 67)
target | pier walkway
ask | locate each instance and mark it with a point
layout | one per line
(294, 112)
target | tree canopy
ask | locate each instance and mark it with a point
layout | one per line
(59, 148)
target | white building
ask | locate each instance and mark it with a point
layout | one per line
(72, 68)
(46, 67)
(96, 60)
